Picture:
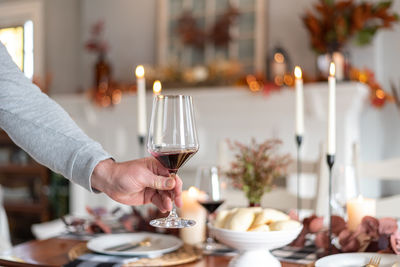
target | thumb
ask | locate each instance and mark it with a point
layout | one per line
(159, 182)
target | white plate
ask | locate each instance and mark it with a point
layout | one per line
(160, 244)
(356, 260)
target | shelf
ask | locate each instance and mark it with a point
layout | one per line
(22, 169)
(25, 207)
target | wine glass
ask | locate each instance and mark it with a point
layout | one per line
(208, 182)
(172, 141)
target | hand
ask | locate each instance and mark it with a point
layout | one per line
(138, 182)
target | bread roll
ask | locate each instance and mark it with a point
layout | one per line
(284, 225)
(268, 216)
(240, 220)
(221, 218)
(259, 228)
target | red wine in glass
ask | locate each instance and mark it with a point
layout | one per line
(211, 205)
(173, 160)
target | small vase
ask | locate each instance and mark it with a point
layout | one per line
(252, 204)
(102, 72)
(341, 60)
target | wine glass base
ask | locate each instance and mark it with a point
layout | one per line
(214, 248)
(172, 223)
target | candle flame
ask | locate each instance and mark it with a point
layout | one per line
(193, 192)
(139, 71)
(297, 72)
(332, 69)
(157, 87)
(278, 57)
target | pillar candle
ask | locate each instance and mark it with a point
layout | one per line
(299, 102)
(359, 208)
(331, 111)
(191, 209)
(141, 101)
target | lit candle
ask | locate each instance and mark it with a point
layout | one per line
(332, 111)
(191, 209)
(359, 208)
(299, 102)
(141, 100)
(157, 87)
(338, 59)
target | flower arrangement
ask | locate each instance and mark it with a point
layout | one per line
(372, 235)
(256, 167)
(336, 22)
(96, 43)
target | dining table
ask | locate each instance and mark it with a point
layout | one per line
(54, 252)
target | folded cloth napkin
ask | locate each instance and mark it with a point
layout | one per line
(304, 255)
(99, 260)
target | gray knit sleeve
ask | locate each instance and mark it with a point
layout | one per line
(43, 129)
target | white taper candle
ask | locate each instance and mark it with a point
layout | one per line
(299, 101)
(332, 111)
(141, 101)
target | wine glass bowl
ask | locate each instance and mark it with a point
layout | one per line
(172, 141)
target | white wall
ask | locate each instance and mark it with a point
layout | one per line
(286, 29)
(62, 43)
(130, 29)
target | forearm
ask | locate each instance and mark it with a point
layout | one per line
(43, 129)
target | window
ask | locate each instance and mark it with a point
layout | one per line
(19, 43)
(21, 31)
(248, 33)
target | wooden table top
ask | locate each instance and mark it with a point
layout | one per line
(54, 252)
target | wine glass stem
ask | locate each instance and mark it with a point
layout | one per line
(172, 213)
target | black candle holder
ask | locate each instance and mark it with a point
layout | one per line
(330, 159)
(141, 140)
(299, 141)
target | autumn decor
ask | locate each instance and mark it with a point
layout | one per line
(334, 23)
(98, 45)
(219, 34)
(256, 166)
(377, 95)
(372, 235)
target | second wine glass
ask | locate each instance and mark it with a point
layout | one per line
(172, 141)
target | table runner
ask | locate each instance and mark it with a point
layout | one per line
(303, 256)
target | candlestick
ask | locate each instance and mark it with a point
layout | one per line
(330, 158)
(141, 108)
(191, 209)
(299, 127)
(357, 209)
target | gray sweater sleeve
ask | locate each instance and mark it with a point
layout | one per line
(42, 128)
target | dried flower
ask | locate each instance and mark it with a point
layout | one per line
(96, 43)
(256, 167)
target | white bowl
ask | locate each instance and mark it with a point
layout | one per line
(254, 246)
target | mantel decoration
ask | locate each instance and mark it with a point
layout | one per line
(219, 34)
(335, 23)
(105, 91)
(256, 167)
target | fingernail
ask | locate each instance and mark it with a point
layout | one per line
(169, 183)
